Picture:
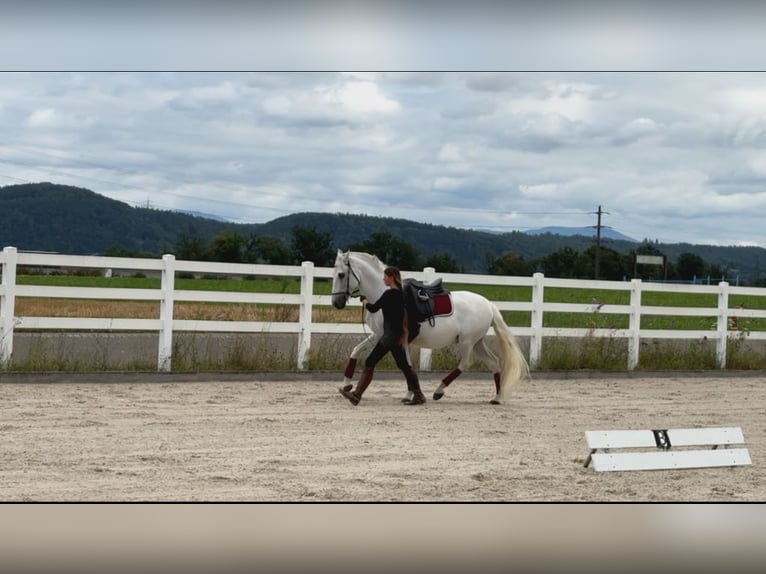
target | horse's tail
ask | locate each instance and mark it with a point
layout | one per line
(513, 365)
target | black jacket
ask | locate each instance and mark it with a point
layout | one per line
(392, 304)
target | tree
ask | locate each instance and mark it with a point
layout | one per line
(614, 266)
(690, 265)
(566, 262)
(267, 249)
(390, 250)
(190, 248)
(379, 243)
(716, 272)
(509, 263)
(405, 256)
(309, 244)
(227, 247)
(117, 250)
(647, 248)
(442, 262)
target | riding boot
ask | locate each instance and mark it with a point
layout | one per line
(413, 384)
(364, 381)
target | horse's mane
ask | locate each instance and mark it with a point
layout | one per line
(371, 257)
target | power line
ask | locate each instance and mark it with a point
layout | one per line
(16, 178)
(280, 195)
(32, 151)
(597, 263)
(366, 204)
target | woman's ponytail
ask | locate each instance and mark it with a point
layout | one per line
(396, 275)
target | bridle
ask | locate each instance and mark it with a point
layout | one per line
(356, 292)
(348, 292)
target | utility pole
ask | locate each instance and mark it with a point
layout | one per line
(597, 262)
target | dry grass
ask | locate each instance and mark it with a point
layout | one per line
(32, 307)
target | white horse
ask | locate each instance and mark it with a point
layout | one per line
(358, 273)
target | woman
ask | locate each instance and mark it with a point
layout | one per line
(394, 338)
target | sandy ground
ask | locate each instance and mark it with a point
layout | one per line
(294, 438)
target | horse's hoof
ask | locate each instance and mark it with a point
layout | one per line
(346, 388)
(494, 402)
(421, 400)
(437, 396)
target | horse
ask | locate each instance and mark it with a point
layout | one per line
(359, 274)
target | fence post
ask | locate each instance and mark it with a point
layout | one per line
(7, 306)
(634, 323)
(304, 317)
(723, 324)
(429, 274)
(165, 351)
(536, 340)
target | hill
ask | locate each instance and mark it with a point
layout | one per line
(72, 220)
(606, 232)
(65, 219)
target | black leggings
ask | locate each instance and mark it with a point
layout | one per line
(380, 350)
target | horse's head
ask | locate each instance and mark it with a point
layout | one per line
(352, 269)
(345, 282)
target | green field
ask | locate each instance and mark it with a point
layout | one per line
(592, 320)
(597, 353)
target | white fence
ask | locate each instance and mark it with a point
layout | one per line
(167, 295)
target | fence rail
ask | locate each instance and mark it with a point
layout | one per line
(165, 324)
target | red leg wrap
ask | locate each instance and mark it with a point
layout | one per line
(454, 374)
(350, 367)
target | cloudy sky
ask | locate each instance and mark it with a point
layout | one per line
(673, 150)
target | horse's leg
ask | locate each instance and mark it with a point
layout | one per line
(464, 352)
(409, 395)
(492, 361)
(348, 372)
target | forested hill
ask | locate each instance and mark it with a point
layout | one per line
(72, 220)
(467, 246)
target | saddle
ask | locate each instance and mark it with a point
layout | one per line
(424, 302)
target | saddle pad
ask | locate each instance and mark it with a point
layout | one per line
(442, 304)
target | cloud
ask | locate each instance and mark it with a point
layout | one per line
(348, 102)
(757, 163)
(213, 96)
(637, 129)
(570, 100)
(542, 191)
(745, 101)
(665, 154)
(450, 152)
(361, 99)
(42, 118)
